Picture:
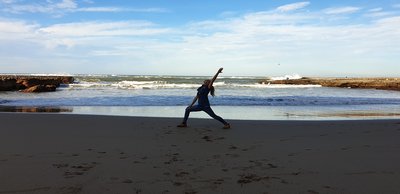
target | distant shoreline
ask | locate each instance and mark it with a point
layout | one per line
(381, 83)
(46, 83)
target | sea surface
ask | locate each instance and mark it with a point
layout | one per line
(236, 98)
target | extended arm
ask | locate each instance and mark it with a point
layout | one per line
(215, 77)
(194, 101)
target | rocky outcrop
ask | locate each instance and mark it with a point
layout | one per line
(40, 88)
(33, 83)
(33, 109)
(376, 83)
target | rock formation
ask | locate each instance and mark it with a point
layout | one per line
(33, 83)
(376, 83)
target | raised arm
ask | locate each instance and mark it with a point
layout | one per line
(215, 77)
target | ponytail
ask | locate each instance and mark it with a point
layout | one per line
(212, 91)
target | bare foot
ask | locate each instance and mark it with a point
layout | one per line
(182, 125)
(227, 126)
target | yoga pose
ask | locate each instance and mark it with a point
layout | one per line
(203, 103)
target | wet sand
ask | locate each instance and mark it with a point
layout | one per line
(64, 153)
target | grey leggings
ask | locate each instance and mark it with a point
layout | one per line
(206, 109)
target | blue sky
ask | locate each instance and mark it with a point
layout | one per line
(180, 37)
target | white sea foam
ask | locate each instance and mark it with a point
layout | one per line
(150, 85)
(166, 85)
(286, 77)
(275, 86)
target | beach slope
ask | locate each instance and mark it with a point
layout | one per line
(63, 153)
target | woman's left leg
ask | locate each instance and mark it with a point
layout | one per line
(210, 112)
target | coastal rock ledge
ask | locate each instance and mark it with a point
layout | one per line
(33, 83)
(373, 83)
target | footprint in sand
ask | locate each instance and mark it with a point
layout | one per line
(60, 165)
(174, 158)
(312, 191)
(75, 189)
(210, 139)
(127, 181)
(233, 155)
(178, 184)
(272, 165)
(190, 192)
(76, 170)
(245, 179)
(207, 138)
(181, 174)
(345, 148)
(232, 147)
(218, 181)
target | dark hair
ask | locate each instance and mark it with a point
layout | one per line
(212, 91)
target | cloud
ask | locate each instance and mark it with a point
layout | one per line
(63, 7)
(378, 9)
(342, 10)
(303, 41)
(120, 9)
(293, 6)
(66, 4)
(48, 7)
(14, 29)
(396, 5)
(7, 1)
(379, 14)
(127, 28)
(100, 9)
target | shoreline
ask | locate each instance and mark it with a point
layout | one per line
(68, 153)
(283, 113)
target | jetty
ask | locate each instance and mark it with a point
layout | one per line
(28, 83)
(369, 83)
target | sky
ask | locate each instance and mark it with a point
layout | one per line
(180, 37)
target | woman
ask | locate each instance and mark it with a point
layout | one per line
(203, 103)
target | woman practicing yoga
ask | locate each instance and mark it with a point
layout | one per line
(203, 103)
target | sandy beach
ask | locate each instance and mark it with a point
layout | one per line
(66, 153)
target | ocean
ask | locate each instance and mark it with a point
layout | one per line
(236, 98)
